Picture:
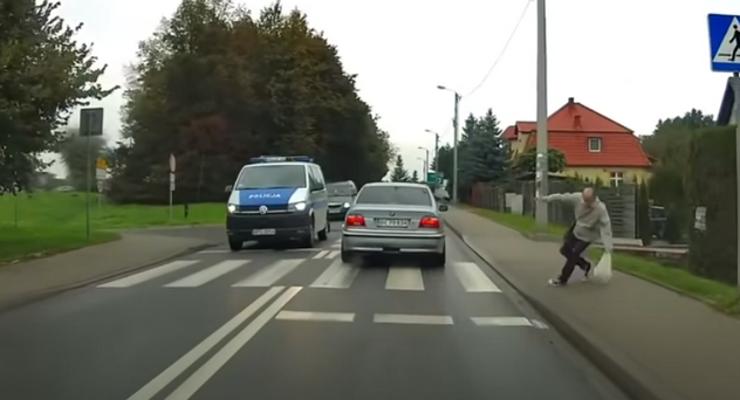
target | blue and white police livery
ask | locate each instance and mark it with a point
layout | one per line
(278, 199)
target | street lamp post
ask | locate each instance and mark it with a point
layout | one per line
(426, 162)
(436, 148)
(454, 149)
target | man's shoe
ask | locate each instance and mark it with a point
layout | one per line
(587, 271)
(555, 282)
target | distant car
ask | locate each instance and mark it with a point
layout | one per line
(341, 197)
(394, 218)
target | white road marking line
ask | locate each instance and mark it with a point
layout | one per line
(207, 370)
(271, 274)
(336, 246)
(204, 276)
(539, 324)
(302, 250)
(473, 279)
(286, 315)
(501, 321)
(166, 377)
(412, 319)
(152, 273)
(337, 276)
(404, 278)
(321, 254)
(333, 254)
(214, 251)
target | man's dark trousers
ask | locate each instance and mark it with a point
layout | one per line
(571, 249)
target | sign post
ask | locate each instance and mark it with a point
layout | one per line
(173, 165)
(724, 45)
(91, 124)
(101, 166)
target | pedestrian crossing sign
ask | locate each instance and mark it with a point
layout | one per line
(724, 42)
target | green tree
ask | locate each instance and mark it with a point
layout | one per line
(74, 151)
(645, 226)
(415, 176)
(399, 173)
(44, 74)
(669, 148)
(215, 86)
(526, 163)
(482, 156)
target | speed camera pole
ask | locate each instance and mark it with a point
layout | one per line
(541, 188)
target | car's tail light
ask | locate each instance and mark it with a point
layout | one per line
(354, 220)
(429, 222)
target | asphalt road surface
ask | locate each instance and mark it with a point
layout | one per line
(290, 324)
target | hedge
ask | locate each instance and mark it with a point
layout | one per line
(711, 183)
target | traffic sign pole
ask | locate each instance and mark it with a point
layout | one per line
(735, 83)
(87, 190)
(173, 166)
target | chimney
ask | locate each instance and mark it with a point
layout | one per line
(571, 100)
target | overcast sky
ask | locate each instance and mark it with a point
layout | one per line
(633, 60)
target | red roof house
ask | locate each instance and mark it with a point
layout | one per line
(594, 145)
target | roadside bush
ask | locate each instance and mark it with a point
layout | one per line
(711, 183)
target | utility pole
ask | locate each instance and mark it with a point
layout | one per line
(735, 83)
(426, 162)
(455, 124)
(435, 164)
(541, 188)
(454, 152)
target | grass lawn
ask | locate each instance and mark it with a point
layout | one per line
(718, 294)
(52, 222)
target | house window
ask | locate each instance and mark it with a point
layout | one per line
(616, 179)
(594, 144)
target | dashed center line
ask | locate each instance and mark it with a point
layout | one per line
(315, 316)
(413, 319)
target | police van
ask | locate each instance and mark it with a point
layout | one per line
(278, 199)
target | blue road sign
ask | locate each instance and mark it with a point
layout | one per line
(724, 42)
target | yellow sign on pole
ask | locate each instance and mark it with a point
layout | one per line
(101, 164)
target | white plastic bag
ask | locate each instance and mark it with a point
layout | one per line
(603, 271)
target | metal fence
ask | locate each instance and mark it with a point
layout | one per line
(620, 201)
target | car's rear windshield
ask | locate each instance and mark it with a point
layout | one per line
(272, 176)
(340, 189)
(412, 196)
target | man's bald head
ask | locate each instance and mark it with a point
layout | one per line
(588, 195)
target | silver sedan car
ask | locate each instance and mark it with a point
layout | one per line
(394, 218)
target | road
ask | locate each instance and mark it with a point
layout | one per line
(292, 323)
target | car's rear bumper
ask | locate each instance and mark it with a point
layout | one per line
(287, 226)
(401, 244)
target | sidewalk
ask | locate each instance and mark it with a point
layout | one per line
(654, 343)
(31, 280)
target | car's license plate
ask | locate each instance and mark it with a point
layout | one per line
(263, 232)
(392, 223)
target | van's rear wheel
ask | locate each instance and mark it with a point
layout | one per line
(235, 244)
(324, 233)
(310, 240)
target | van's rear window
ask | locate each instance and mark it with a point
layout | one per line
(272, 176)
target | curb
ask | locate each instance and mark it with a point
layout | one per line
(620, 374)
(46, 293)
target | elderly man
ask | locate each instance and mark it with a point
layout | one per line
(591, 223)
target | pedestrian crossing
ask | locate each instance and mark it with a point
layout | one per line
(323, 270)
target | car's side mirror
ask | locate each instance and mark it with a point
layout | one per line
(228, 188)
(443, 208)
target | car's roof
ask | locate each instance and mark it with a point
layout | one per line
(396, 184)
(267, 164)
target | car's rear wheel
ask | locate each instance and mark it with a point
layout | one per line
(439, 260)
(346, 256)
(235, 244)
